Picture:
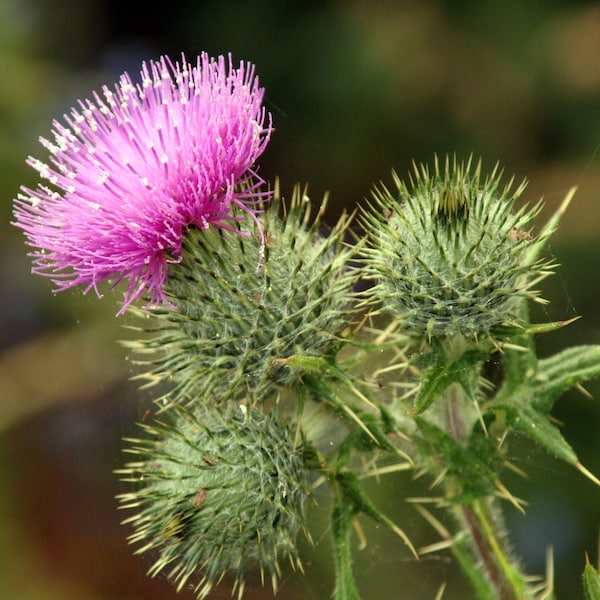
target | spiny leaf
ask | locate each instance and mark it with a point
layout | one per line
(473, 467)
(351, 489)
(560, 372)
(441, 373)
(591, 582)
(523, 417)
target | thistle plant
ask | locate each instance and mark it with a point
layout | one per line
(286, 355)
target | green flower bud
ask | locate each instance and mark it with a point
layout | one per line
(449, 255)
(238, 315)
(220, 490)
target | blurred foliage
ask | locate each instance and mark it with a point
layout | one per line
(355, 89)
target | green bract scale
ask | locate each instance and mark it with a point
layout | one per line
(450, 256)
(220, 490)
(242, 307)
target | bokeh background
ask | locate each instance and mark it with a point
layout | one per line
(356, 89)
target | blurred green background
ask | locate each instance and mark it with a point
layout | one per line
(356, 89)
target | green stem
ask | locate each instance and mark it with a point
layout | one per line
(341, 521)
(480, 520)
(487, 540)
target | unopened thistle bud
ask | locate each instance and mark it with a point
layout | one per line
(449, 254)
(221, 489)
(238, 315)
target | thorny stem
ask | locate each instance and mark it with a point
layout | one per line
(481, 519)
(487, 541)
(345, 586)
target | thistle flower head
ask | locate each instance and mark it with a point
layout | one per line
(235, 327)
(449, 255)
(133, 169)
(221, 489)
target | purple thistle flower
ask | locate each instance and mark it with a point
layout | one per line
(133, 169)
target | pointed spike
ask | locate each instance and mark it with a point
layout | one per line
(587, 473)
(583, 391)
(434, 522)
(407, 466)
(548, 592)
(400, 533)
(552, 326)
(505, 493)
(436, 547)
(514, 468)
(362, 538)
(359, 422)
(440, 593)
(550, 227)
(274, 582)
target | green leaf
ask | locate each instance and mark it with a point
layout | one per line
(527, 405)
(524, 417)
(473, 467)
(374, 437)
(591, 582)
(353, 493)
(441, 373)
(436, 379)
(558, 373)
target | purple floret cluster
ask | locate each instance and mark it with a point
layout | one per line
(133, 168)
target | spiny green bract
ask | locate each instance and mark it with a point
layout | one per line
(449, 254)
(238, 315)
(222, 489)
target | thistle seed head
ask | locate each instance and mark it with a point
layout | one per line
(220, 489)
(448, 255)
